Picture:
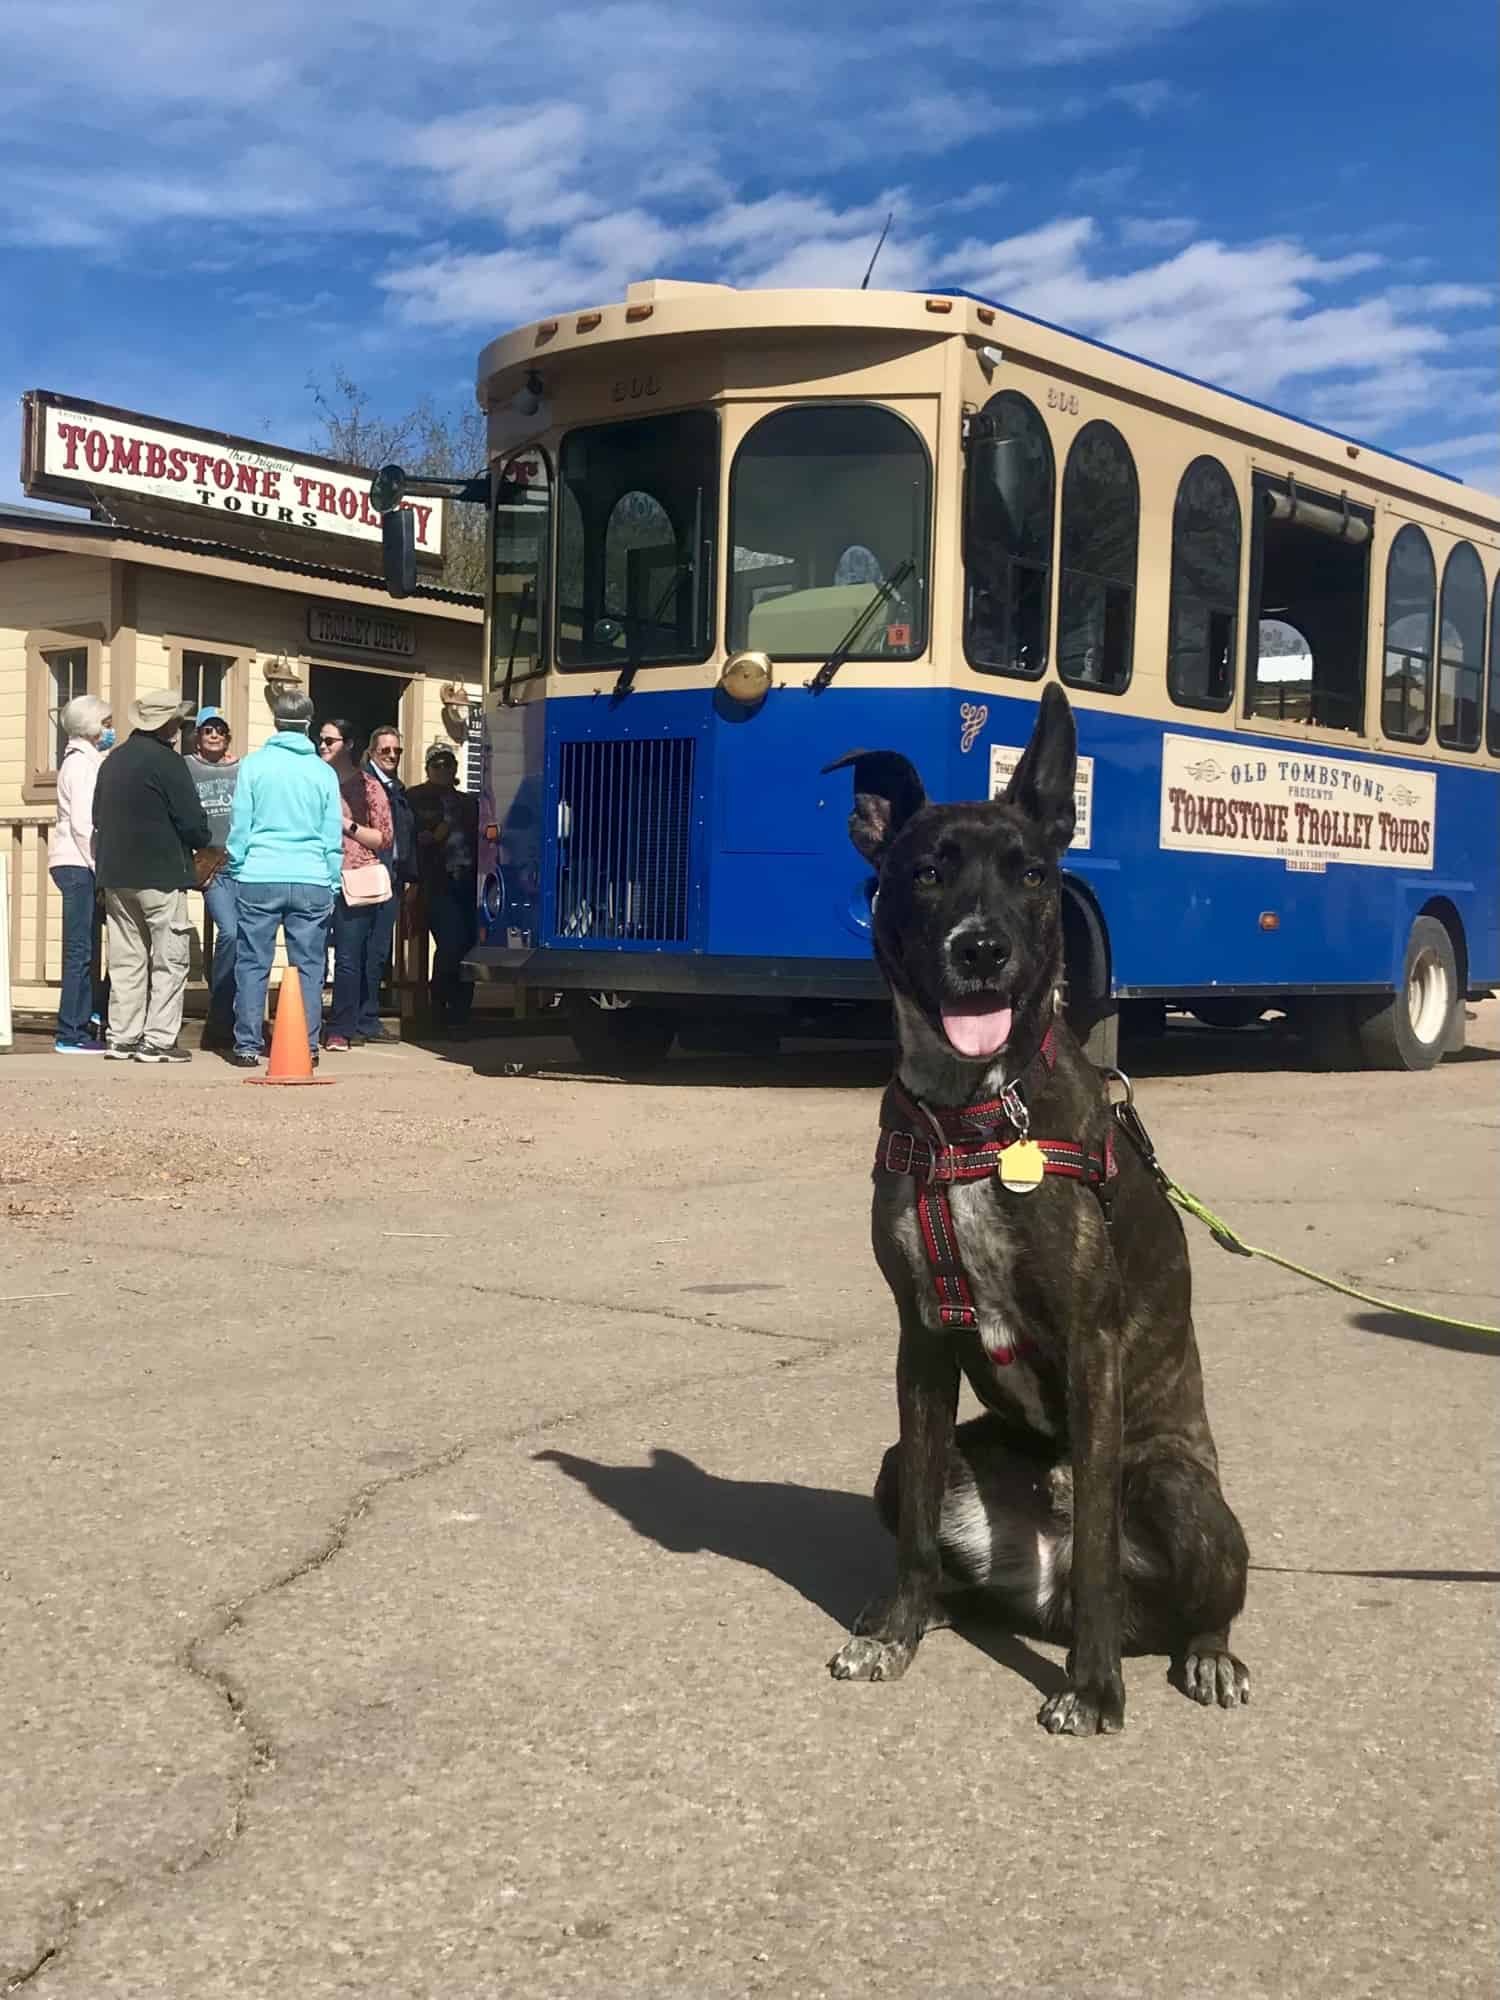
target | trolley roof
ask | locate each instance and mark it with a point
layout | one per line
(659, 309)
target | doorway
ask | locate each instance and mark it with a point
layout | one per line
(364, 696)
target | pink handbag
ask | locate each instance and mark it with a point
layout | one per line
(370, 884)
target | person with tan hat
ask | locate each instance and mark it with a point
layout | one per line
(147, 824)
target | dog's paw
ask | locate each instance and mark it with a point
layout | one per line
(864, 1658)
(1095, 1709)
(1211, 1673)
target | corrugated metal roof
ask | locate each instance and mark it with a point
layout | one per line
(36, 517)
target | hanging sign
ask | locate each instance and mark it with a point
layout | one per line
(74, 450)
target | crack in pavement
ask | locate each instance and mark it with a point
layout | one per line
(708, 1323)
(260, 1749)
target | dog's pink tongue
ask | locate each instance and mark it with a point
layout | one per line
(977, 1033)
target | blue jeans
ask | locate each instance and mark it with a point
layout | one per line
(453, 920)
(80, 928)
(382, 938)
(302, 911)
(221, 901)
(356, 967)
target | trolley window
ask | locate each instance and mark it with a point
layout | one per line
(1461, 650)
(522, 531)
(1410, 601)
(635, 542)
(1203, 638)
(1101, 519)
(1310, 572)
(1492, 719)
(1008, 500)
(828, 509)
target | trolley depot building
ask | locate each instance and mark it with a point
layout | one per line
(215, 565)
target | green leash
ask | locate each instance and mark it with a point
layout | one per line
(1129, 1120)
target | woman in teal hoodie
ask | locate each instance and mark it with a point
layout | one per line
(285, 853)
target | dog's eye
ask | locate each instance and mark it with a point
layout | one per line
(1033, 877)
(927, 878)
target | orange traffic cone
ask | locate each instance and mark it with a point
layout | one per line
(291, 1059)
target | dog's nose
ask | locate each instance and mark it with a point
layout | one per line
(980, 954)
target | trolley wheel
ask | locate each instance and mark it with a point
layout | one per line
(1412, 1028)
(614, 1031)
(1230, 1012)
(1098, 1033)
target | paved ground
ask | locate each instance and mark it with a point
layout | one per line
(427, 1506)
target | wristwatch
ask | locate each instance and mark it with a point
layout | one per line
(353, 829)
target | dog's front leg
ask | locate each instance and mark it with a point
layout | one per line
(1094, 1701)
(890, 1630)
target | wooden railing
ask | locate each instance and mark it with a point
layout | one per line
(34, 945)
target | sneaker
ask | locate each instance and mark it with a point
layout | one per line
(88, 1048)
(242, 1059)
(120, 1051)
(376, 1035)
(337, 1044)
(146, 1054)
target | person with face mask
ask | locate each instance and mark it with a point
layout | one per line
(88, 727)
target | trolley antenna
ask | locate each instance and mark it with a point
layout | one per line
(864, 283)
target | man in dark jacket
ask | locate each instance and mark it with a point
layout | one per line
(147, 822)
(382, 764)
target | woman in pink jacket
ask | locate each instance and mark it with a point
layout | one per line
(86, 724)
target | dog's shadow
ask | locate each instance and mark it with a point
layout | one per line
(825, 1544)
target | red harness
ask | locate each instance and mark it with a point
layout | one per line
(969, 1144)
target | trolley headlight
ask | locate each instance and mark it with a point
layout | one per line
(746, 677)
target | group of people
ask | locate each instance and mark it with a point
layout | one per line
(301, 837)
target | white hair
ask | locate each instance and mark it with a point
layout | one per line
(84, 716)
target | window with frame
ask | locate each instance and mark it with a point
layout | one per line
(1310, 571)
(520, 550)
(828, 509)
(205, 684)
(1202, 640)
(1101, 520)
(1492, 713)
(67, 671)
(1010, 479)
(1410, 607)
(1460, 679)
(636, 531)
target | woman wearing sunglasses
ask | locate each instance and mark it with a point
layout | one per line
(364, 889)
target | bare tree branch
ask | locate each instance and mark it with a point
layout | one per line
(435, 443)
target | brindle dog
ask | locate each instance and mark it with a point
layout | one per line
(1085, 1503)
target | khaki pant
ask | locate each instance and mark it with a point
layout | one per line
(149, 954)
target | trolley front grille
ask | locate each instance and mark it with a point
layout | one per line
(624, 818)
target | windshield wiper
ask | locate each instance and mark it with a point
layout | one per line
(507, 698)
(631, 668)
(881, 594)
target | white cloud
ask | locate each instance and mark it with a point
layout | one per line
(1145, 99)
(1156, 232)
(1106, 184)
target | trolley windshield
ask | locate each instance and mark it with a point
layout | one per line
(635, 542)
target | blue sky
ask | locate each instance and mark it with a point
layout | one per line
(199, 214)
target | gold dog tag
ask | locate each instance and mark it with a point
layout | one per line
(1022, 1167)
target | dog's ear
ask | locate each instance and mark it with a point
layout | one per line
(1041, 785)
(887, 791)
